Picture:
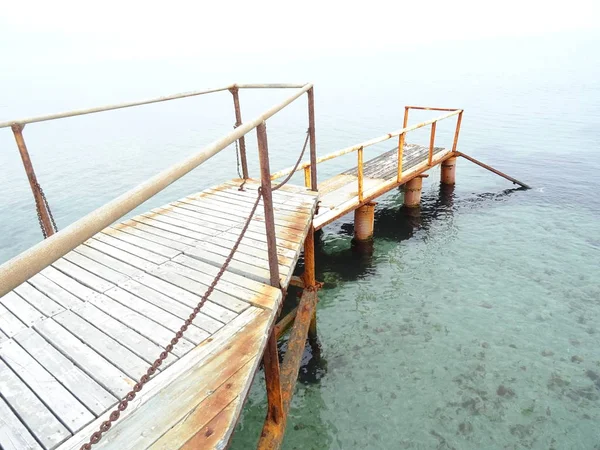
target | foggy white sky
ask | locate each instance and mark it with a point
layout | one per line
(124, 29)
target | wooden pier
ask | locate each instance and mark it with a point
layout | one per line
(147, 333)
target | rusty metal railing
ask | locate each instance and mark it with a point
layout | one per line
(24, 266)
(401, 133)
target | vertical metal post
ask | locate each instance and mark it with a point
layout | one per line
(275, 414)
(307, 179)
(431, 142)
(458, 122)
(267, 195)
(310, 279)
(360, 174)
(44, 216)
(313, 142)
(238, 121)
(400, 155)
(405, 123)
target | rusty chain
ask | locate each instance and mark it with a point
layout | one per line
(38, 208)
(124, 402)
(297, 163)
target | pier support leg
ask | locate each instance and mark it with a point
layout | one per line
(412, 192)
(310, 279)
(448, 172)
(364, 222)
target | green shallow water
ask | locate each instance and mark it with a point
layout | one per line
(473, 325)
(477, 330)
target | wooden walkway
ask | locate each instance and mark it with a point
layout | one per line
(339, 195)
(75, 337)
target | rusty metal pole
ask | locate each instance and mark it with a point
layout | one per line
(275, 417)
(313, 142)
(238, 121)
(431, 142)
(44, 215)
(458, 122)
(267, 195)
(310, 279)
(360, 175)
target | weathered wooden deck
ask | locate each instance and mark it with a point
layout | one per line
(340, 195)
(78, 335)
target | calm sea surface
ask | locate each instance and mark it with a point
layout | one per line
(472, 325)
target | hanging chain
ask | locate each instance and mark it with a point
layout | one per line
(124, 402)
(122, 405)
(39, 207)
(237, 153)
(297, 162)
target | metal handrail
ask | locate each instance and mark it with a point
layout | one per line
(81, 112)
(22, 267)
(365, 144)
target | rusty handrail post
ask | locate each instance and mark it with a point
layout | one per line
(400, 155)
(275, 420)
(307, 179)
(458, 122)
(267, 195)
(360, 174)
(313, 142)
(238, 121)
(431, 142)
(405, 122)
(44, 215)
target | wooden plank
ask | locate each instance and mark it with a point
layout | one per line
(167, 242)
(215, 209)
(132, 249)
(144, 427)
(173, 323)
(118, 355)
(210, 309)
(91, 394)
(138, 344)
(214, 433)
(42, 423)
(247, 295)
(247, 270)
(170, 228)
(13, 434)
(239, 280)
(3, 337)
(190, 427)
(109, 261)
(256, 229)
(154, 331)
(191, 361)
(347, 192)
(9, 323)
(171, 305)
(68, 283)
(205, 220)
(59, 400)
(95, 365)
(253, 256)
(20, 308)
(128, 258)
(83, 276)
(54, 291)
(39, 301)
(130, 225)
(98, 269)
(219, 297)
(142, 243)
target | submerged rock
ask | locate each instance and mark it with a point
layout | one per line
(503, 391)
(576, 358)
(547, 353)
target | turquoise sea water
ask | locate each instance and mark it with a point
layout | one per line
(472, 324)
